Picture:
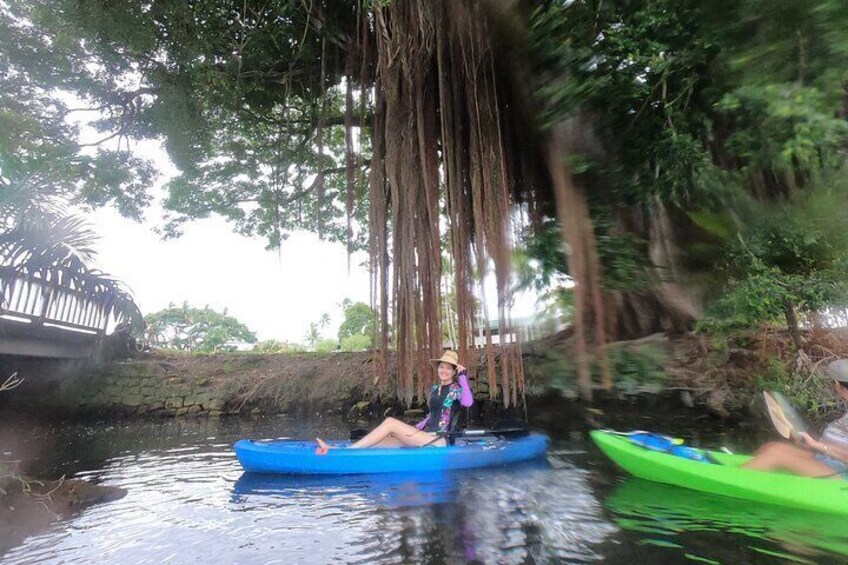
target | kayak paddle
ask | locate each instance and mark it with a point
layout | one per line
(498, 432)
(783, 416)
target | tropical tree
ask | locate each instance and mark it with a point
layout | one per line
(267, 125)
(786, 262)
(684, 114)
(403, 125)
(187, 328)
(356, 331)
(358, 319)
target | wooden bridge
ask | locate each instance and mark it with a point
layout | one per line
(43, 318)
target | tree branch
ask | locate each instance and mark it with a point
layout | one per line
(104, 140)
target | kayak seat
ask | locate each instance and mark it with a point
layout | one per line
(458, 423)
(358, 434)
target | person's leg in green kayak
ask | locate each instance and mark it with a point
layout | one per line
(779, 456)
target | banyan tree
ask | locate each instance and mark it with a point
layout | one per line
(423, 128)
(406, 127)
(454, 137)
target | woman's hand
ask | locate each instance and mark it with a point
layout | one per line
(808, 441)
(461, 369)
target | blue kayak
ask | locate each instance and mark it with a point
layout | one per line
(299, 457)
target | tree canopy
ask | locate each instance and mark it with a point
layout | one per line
(188, 328)
(708, 133)
(358, 319)
(654, 134)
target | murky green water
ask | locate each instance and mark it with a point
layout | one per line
(188, 501)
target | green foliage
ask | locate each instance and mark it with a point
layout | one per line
(635, 368)
(326, 345)
(541, 258)
(679, 103)
(42, 60)
(355, 343)
(812, 395)
(731, 112)
(540, 265)
(187, 328)
(787, 129)
(358, 320)
(314, 340)
(243, 97)
(356, 332)
(622, 256)
(639, 70)
(275, 346)
(793, 254)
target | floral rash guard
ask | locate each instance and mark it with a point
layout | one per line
(442, 403)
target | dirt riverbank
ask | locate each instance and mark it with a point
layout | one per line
(28, 506)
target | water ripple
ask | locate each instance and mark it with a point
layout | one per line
(189, 501)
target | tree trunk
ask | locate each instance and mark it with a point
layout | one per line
(666, 303)
(792, 323)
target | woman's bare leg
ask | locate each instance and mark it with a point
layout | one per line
(777, 456)
(390, 441)
(392, 432)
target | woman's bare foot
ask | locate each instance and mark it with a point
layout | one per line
(322, 448)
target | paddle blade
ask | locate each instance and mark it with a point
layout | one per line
(777, 416)
(798, 424)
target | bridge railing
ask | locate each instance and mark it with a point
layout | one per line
(38, 301)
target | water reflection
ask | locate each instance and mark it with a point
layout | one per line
(385, 489)
(516, 514)
(687, 522)
(188, 500)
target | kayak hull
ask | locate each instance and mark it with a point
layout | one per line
(299, 457)
(726, 478)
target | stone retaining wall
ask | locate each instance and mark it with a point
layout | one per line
(186, 385)
(144, 388)
(199, 385)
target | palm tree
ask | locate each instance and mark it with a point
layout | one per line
(40, 240)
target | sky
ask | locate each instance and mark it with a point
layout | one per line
(276, 294)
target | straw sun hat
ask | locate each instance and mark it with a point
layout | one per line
(447, 357)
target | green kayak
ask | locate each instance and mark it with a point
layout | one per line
(725, 478)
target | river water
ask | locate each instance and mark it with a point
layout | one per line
(188, 501)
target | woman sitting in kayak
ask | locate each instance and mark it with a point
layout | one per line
(445, 398)
(811, 458)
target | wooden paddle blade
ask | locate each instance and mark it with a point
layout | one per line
(798, 424)
(777, 416)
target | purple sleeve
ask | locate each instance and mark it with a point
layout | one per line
(465, 398)
(420, 425)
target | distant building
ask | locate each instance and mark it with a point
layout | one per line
(524, 329)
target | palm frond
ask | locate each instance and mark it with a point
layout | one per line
(41, 241)
(46, 242)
